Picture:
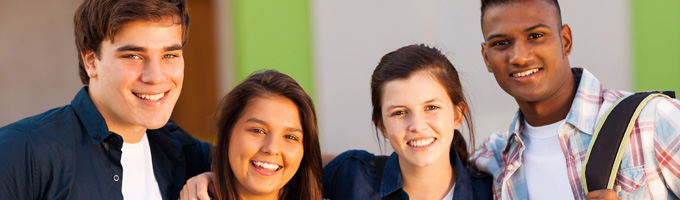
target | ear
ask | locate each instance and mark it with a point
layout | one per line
(486, 60)
(566, 39)
(90, 63)
(459, 114)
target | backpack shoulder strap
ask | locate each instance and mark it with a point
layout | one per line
(610, 139)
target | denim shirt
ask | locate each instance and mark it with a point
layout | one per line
(352, 175)
(69, 153)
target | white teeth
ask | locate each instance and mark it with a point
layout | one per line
(268, 166)
(151, 97)
(421, 143)
(525, 73)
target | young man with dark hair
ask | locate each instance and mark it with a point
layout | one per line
(115, 140)
(526, 47)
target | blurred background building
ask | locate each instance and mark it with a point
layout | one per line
(331, 48)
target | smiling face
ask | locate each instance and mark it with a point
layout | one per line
(419, 119)
(137, 78)
(526, 49)
(265, 149)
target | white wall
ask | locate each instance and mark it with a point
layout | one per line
(350, 37)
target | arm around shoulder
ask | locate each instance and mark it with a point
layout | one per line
(487, 157)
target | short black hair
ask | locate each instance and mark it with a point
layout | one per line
(487, 3)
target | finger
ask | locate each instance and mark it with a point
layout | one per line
(202, 190)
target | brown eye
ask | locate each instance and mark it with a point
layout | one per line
(535, 36)
(431, 107)
(398, 112)
(257, 130)
(500, 43)
(292, 137)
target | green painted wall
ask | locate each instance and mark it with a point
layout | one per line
(656, 44)
(273, 35)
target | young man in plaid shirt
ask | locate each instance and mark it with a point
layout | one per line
(526, 47)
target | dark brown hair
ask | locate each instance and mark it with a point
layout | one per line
(406, 61)
(98, 20)
(306, 183)
(487, 3)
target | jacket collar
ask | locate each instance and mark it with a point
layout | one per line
(391, 181)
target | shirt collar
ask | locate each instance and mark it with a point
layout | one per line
(96, 127)
(583, 111)
(391, 181)
(90, 117)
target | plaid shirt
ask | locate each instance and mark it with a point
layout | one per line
(650, 166)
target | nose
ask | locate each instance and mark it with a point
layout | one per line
(521, 54)
(153, 71)
(418, 123)
(271, 146)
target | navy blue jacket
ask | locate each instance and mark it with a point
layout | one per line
(69, 153)
(352, 175)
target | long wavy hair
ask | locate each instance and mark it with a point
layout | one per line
(401, 64)
(306, 183)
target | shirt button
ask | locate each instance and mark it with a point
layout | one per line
(510, 167)
(617, 188)
(116, 178)
(372, 163)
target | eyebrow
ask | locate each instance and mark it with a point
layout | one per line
(142, 49)
(131, 48)
(525, 30)
(263, 123)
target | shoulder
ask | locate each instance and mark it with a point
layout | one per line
(481, 184)
(350, 158)
(49, 128)
(348, 165)
(349, 175)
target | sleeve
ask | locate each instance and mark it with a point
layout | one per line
(667, 142)
(16, 163)
(336, 174)
(199, 158)
(481, 185)
(487, 157)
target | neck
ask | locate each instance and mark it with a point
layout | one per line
(550, 110)
(131, 135)
(428, 182)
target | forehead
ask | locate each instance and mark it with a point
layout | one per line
(519, 15)
(274, 109)
(417, 88)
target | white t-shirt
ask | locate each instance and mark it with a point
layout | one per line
(545, 167)
(449, 196)
(139, 182)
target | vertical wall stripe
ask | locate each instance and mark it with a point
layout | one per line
(273, 35)
(656, 44)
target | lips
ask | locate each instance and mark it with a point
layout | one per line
(421, 142)
(150, 97)
(266, 168)
(525, 73)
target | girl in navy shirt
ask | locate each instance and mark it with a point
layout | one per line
(418, 105)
